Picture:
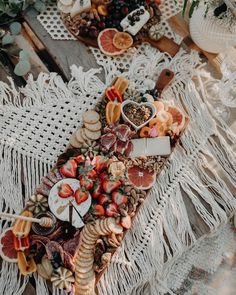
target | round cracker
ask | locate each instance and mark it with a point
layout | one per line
(89, 274)
(104, 226)
(89, 235)
(114, 227)
(91, 229)
(86, 264)
(74, 142)
(91, 117)
(78, 136)
(100, 229)
(92, 135)
(84, 136)
(93, 127)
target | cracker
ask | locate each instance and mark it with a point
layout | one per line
(74, 142)
(114, 227)
(92, 135)
(93, 127)
(78, 136)
(91, 117)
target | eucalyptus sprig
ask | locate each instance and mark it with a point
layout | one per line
(7, 45)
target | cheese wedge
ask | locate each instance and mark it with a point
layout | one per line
(143, 19)
(80, 6)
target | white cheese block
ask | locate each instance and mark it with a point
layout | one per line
(133, 30)
(80, 6)
(139, 147)
(158, 146)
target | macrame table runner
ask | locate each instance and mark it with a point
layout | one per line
(36, 123)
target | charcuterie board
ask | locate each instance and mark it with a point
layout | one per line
(96, 188)
(115, 26)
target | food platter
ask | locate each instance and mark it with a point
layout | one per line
(96, 187)
(116, 25)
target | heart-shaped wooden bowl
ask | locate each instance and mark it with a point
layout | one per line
(126, 119)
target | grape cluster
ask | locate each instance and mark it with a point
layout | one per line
(117, 10)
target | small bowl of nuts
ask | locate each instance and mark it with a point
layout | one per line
(137, 114)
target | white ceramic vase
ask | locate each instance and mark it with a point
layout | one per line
(208, 34)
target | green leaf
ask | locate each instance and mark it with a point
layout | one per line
(184, 7)
(193, 6)
(24, 55)
(8, 39)
(22, 68)
(15, 28)
(39, 6)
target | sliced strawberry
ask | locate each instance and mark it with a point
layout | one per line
(97, 189)
(69, 169)
(81, 196)
(65, 191)
(86, 182)
(92, 173)
(126, 222)
(112, 210)
(119, 198)
(103, 199)
(80, 159)
(100, 163)
(109, 185)
(99, 210)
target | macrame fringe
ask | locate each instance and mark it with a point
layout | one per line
(143, 261)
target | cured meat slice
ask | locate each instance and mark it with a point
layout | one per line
(129, 148)
(47, 181)
(123, 132)
(53, 247)
(52, 176)
(58, 174)
(108, 140)
(43, 189)
(71, 245)
(121, 146)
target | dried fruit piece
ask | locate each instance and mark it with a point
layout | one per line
(26, 266)
(141, 178)
(62, 278)
(37, 203)
(7, 249)
(117, 168)
(121, 85)
(105, 42)
(145, 132)
(21, 228)
(113, 112)
(102, 10)
(122, 40)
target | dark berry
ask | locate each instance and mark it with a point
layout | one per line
(93, 32)
(101, 25)
(83, 31)
(125, 10)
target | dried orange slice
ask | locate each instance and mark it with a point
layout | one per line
(145, 132)
(113, 112)
(122, 40)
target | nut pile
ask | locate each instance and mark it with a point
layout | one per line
(138, 114)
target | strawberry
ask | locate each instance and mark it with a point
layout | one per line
(65, 191)
(103, 175)
(81, 195)
(119, 198)
(110, 185)
(112, 210)
(92, 173)
(97, 189)
(100, 163)
(126, 222)
(103, 199)
(99, 210)
(86, 182)
(69, 169)
(80, 159)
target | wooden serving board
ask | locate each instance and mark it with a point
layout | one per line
(164, 44)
